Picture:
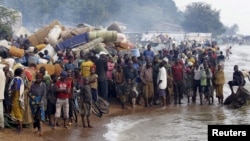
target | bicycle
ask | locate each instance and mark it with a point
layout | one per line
(75, 105)
(100, 107)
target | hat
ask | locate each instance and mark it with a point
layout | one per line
(103, 53)
(190, 64)
(165, 59)
(64, 74)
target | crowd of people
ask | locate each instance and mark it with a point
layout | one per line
(32, 96)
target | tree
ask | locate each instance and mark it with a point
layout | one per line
(139, 15)
(7, 19)
(232, 30)
(199, 17)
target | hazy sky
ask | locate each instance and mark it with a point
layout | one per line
(231, 12)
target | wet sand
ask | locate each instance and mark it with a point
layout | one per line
(76, 131)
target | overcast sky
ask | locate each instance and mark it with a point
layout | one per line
(231, 12)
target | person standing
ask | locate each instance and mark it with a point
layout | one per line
(228, 52)
(126, 92)
(196, 81)
(93, 77)
(221, 59)
(101, 69)
(17, 92)
(70, 65)
(51, 99)
(37, 96)
(86, 65)
(162, 83)
(219, 81)
(86, 99)
(148, 53)
(7, 98)
(178, 77)
(155, 67)
(2, 87)
(206, 82)
(146, 76)
(109, 73)
(63, 88)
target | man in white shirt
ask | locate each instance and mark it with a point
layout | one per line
(2, 87)
(162, 83)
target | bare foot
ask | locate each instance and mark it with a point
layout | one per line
(162, 108)
(40, 134)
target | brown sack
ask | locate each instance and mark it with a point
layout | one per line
(58, 69)
(42, 33)
(16, 52)
(40, 46)
(49, 68)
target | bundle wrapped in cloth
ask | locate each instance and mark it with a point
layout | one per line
(39, 36)
(108, 36)
(16, 52)
(73, 42)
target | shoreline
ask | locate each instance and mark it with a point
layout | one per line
(76, 130)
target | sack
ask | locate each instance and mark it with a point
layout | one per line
(4, 52)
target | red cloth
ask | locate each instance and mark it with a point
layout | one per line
(63, 85)
(177, 72)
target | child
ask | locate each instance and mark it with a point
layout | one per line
(86, 102)
(93, 83)
(170, 87)
(127, 91)
(51, 99)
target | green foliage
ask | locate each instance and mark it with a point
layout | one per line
(136, 14)
(199, 17)
(5, 32)
(232, 30)
(7, 19)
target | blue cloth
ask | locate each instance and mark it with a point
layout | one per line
(18, 81)
(47, 57)
(70, 66)
(149, 53)
(34, 106)
(33, 59)
(73, 42)
(22, 60)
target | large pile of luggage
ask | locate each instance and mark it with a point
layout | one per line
(56, 37)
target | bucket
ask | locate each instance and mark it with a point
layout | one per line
(135, 52)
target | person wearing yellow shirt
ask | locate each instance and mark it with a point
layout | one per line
(85, 67)
(190, 58)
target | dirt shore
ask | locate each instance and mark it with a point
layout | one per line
(76, 131)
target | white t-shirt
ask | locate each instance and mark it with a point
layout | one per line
(162, 75)
(2, 84)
